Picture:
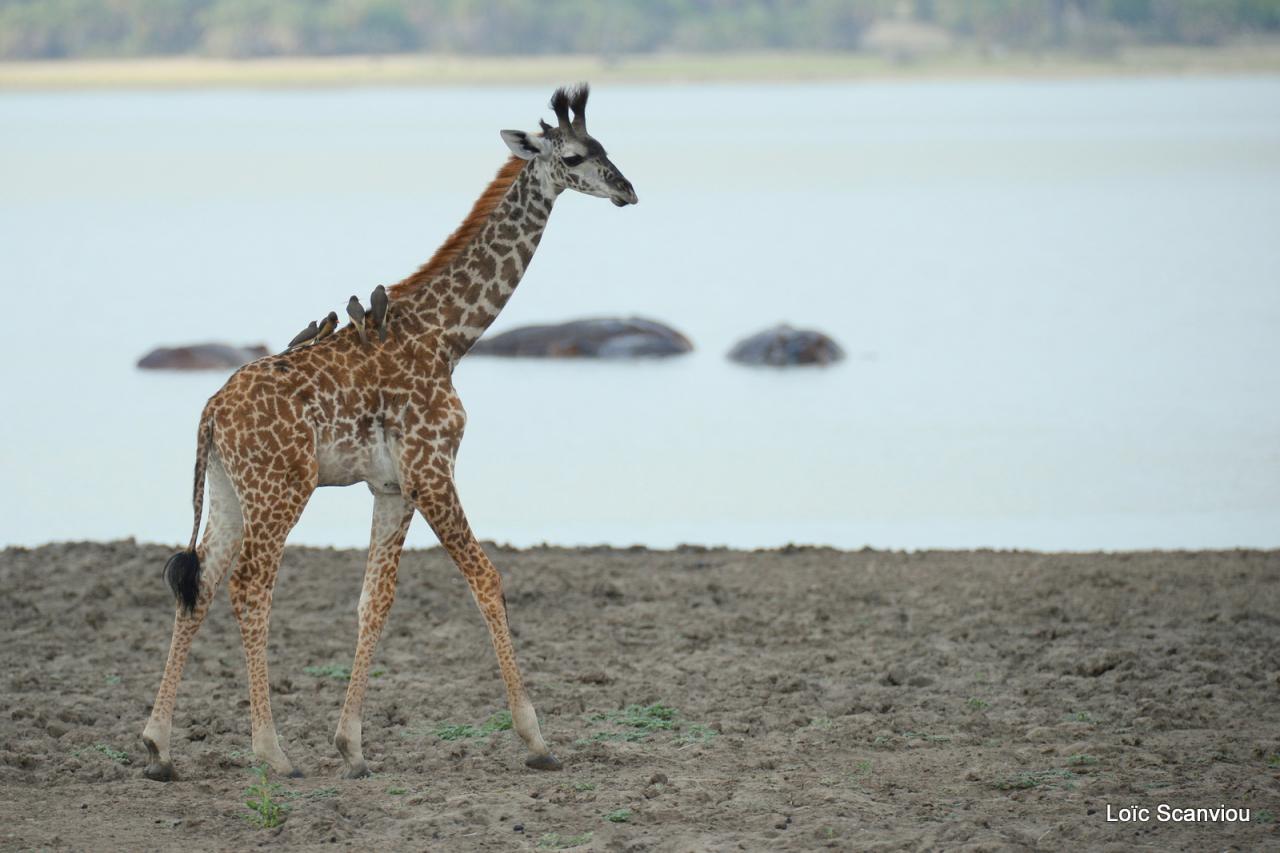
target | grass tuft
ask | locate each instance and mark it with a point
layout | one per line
(649, 718)
(556, 841)
(696, 733)
(499, 722)
(618, 816)
(114, 754)
(1033, 779)
(636, 723)
(329, 670)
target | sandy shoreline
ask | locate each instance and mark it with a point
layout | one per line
(850, 700)
(444, 70)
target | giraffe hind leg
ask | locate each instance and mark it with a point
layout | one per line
(268, 520)
(216, 555)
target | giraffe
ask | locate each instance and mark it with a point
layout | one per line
(343, 410)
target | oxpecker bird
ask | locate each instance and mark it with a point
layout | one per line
(356, 312)
(378, 304)
(305, 336)
(327, 325)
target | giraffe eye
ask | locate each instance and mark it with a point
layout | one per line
(573, 159)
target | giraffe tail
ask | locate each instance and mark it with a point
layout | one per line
(182, 570)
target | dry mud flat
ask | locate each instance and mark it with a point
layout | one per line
(805, 699)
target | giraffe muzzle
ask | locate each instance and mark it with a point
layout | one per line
(626, 197)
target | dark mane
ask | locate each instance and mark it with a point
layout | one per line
(466, 232)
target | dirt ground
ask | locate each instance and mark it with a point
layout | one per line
(808, 699)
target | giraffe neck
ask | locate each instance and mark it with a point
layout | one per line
(467, 283)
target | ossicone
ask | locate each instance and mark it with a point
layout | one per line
(573, 98)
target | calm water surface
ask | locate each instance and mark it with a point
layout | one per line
(1061, 301)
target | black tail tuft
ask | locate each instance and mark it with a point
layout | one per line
(183, 574)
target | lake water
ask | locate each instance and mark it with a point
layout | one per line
(1061, 302)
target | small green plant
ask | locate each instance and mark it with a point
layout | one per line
(397, 791)
(584, 786)
(114, 754)
(822, 723)
(636, 723)
(647, 718)
(618, 816)
(556, 841)
(377, 673)
(1081, 759)
(1273, 760)
(602, 737)
(329, 670)
(265, 812)
(863, 767)
(113, 679)
(1079, 716)
(696, 733)
(1032, 779)
(499, 722)
(1266, 816)
(977, 704)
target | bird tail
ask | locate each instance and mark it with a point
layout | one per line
(182, 570)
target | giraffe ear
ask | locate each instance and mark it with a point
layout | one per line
(522, 145)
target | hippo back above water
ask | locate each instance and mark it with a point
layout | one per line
(606, 337)
(211, 356)
(783, 346)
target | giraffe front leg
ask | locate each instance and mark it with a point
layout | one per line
(391, 517)
(217, 553)
(439, 504)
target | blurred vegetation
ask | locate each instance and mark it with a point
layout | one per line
(51, 29)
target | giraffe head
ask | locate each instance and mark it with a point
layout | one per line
(570, 157)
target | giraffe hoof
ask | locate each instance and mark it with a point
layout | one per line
(543, 762)
(159, 771)
(357, 771)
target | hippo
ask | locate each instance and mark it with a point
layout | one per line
(201, 357)
(605, 337)
(783, 346)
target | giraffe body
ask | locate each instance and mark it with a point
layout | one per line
(346, 409)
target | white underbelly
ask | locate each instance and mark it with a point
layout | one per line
(373, 463)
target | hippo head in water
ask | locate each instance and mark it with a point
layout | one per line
(572, 158)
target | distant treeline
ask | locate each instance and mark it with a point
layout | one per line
(49, 29)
